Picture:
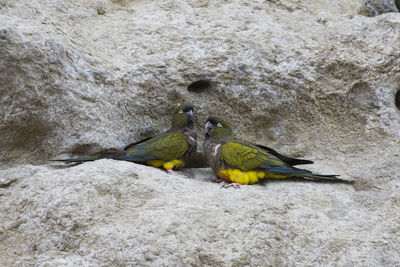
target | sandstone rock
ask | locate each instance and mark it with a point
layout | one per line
(314, 79)
(119, 213)
(76, 82)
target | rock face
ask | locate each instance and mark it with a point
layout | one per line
(118, 213)
(74, 81)
(315, 79)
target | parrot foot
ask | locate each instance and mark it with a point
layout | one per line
(234, 185)
(177, 174)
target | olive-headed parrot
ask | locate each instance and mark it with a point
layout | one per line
(170, 150)
(241, 162)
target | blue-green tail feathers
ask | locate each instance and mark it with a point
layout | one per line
(300, 173)
(117, 156)
(77, 160)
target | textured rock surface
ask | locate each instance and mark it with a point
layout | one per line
(117, 213)
(74, 81)
(311, 78)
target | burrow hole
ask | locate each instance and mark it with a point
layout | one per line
(397, 100)
(199, 86)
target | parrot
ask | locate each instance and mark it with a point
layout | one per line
(240, 162)
(170, 150)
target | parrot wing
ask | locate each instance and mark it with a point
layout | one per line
(164, 147)
(246, 157)
(287, 160)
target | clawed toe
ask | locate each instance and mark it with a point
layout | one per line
(174, 173)
(234, 185)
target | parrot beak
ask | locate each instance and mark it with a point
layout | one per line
(190, 113)
(208, 128)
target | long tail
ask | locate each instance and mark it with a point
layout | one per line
(300, 173)
(76, 160)
(85, 159)
(322, 177)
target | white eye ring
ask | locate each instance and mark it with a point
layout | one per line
(180, 111)
(219, 125)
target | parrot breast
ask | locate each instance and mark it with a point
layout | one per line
(246, 177)
(241, 177)
(169, 165)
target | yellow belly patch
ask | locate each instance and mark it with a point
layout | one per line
(249, 177)
(241, 177)
(173, 165)
(155, 163)
(169, 165)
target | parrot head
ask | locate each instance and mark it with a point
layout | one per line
(218, 128)
(183, 117)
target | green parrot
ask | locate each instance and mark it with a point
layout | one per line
(170, 150)
(241, 162)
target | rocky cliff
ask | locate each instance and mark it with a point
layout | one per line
(316, 79)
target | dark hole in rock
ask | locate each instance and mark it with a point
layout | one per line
(397, 2)
(397, 100)
(199, 86)
(101, 11)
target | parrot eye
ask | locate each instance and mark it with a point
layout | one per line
(180, 111)
(219, 125)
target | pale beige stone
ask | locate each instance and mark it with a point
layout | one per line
(313, 79)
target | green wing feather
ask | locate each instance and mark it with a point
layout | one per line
(168, 147)
(246, 156)
(165, 147)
